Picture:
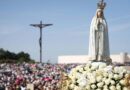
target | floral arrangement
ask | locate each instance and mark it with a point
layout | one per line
(97, 76)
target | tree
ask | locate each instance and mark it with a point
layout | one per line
(8, 57)
(2, 53)
(23, 56)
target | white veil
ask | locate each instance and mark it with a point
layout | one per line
(92, 39)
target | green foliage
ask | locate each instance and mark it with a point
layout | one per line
(10, 57)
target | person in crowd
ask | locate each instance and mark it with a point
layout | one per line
(42, 76)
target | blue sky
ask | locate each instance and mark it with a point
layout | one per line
(70, 33)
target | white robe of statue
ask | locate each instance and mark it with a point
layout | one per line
(98, 40)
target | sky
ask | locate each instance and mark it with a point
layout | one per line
(69, 34)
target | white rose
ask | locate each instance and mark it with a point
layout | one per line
(100, 84)
(120, 75)
(118, 87)
(116, 69)
(108, 69)
(93, 67)
(127, 75)
(78, 75)
(81, 70)
(87, 67)
(82, 82)
(73, 79)
(99, 78)
(112, 82)
(93, 86)
(124, 71)
(73, 71)
(77, 88)
(72, 86)
(85, 74)
(78, 67)
(111, 75)
(104, 79)
(122, 82)
(98, 89)
(105, 74)
(112, 88)
(107, 82)
(125, 88)
(88, 87)
(105, 87)
(92, 80)
(116, 76)
(89, 64)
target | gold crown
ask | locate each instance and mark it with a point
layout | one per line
(101, 4)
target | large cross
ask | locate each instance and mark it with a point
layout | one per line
(40, 26)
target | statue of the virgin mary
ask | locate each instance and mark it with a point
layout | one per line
(99, 41)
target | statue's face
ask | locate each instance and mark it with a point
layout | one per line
(99, 14)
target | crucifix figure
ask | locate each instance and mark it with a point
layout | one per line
(40, 26)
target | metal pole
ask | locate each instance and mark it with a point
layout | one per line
(40, 43)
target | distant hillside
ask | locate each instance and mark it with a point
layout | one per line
(11, 57)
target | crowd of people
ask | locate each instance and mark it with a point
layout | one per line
(41, 76)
